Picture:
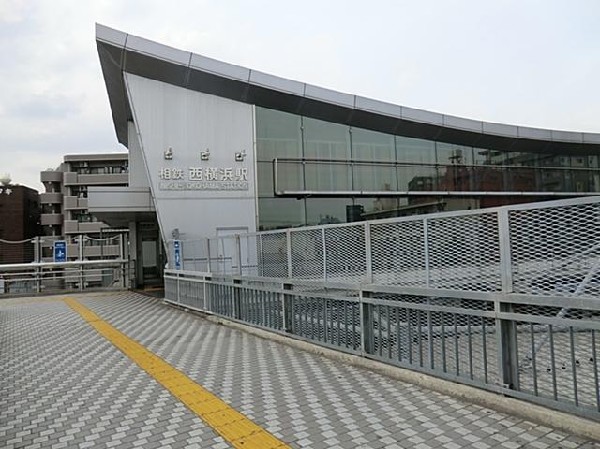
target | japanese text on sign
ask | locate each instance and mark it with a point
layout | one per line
(203, 178)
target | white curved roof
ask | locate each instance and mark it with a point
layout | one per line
(120, 52)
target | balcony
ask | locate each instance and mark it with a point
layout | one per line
(85, 228)
(70, 202)
(51, 198)
(74, 203)
(70, 178)
(51, 176)
(104, 179)
(71, 227)
(107, 179)
(51, 219)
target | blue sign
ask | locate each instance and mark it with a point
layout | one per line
(60, 251)
(177, 251)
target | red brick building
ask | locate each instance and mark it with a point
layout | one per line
(19, 222)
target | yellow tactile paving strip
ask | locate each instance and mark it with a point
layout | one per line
(233, 426)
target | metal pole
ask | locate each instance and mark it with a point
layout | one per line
(287, 311)
(238, 247)
(366, 325)
(368, 255)
(288, 234)
(426, 252)
(324, 250)
(506, 330)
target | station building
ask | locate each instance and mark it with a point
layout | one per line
(216, 149)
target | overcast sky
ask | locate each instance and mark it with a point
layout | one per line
(523, 62)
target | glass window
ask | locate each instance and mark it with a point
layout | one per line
(417, 178)
(327, 176)
(277, 213)
(326, 141)
(326, 210)
(451, 154)
(484, 179)
(521, 179)
(278, 134)
(484, 156)
(374, 177)
(370, 146)
(521, 159)
(289, 176)
(377, 208)
(415, 150)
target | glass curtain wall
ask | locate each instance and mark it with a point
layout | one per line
(314, 156)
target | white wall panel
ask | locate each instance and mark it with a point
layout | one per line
(189, 123)
(138, 174)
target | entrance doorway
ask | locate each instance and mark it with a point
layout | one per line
(150, 255)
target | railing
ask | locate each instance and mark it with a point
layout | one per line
(46, 278)
(297, 177)
(506, 299)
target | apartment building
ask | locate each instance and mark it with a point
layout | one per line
(64, 206)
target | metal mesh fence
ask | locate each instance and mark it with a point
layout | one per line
(398, 253)
(464, 252)
(557, 250)
(505, 298)
(551, 248)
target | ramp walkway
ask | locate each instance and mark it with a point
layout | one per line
(120, 369)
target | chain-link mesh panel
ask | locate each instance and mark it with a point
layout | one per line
(273, 261)
(464, 252)
(346, 253)
(307, 253)
(398, 253)
(556, 250)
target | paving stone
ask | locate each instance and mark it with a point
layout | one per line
(58, 373)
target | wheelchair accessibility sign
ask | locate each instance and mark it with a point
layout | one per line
(177, 254)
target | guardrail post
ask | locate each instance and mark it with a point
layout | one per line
(324, 250)
(208, 294)
(237, 298)
(38, 274)
(506, 330)
(208, 264)
(368, 255)
(80, 240)
(238, 249)
(426, 252)
(288, 236)
(366, 325)
(178, 288)
(80, 276)
(287, 309)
